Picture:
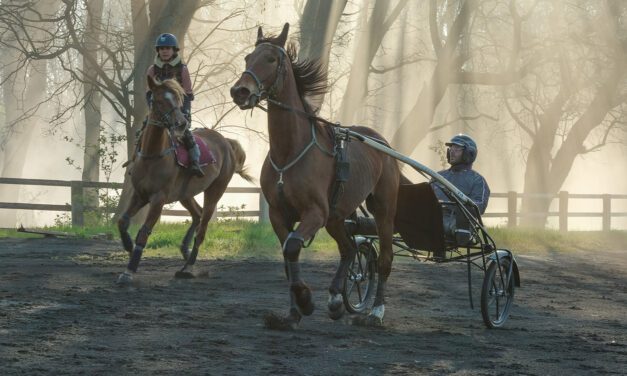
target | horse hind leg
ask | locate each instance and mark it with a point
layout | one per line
(384, 211)
(211, 197)
(195, 210)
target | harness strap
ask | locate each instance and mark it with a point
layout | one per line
(314, 141)
(342, 168)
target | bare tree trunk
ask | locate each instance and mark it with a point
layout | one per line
(547, 174)
(93, 101)
(448, 66)
(544, 174)
(21, 104)
(365, 51)
(9, 193)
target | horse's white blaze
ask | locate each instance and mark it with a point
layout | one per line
(170, 97)
(378, 311)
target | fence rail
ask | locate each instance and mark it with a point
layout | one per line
(512, 214)
(78, 210)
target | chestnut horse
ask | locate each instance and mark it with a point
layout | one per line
(299, 175)
(158, 180)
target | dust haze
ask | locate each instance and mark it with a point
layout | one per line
(540, 85)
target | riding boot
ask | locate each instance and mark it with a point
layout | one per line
(194, 153)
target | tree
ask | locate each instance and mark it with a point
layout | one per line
(22, 104)
(575, 101)
(454, 48)
(366, 48)
(93, 99)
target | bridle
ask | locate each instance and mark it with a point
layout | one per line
(164, 118)
(164, 121)
(262, 93)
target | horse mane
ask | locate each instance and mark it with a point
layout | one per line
(173, 85)
(310, 75)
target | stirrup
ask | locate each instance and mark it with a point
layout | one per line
(196, 170)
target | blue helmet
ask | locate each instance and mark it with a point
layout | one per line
(470, 147)
(167, 40)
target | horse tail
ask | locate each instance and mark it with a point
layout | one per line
(240, 158)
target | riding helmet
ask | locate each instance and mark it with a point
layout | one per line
(470, 147)
(167, 40)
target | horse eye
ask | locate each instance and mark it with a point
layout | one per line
(270, 59)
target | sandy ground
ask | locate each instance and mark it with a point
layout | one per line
(61, 313)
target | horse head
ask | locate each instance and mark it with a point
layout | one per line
(265, 71)
(166, 107)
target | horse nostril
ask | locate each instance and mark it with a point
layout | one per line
(239, 92)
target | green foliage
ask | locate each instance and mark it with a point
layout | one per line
(234, 212)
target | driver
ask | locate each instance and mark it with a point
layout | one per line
(460, 154)
(168, 64)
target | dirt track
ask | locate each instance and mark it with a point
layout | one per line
(60, 313)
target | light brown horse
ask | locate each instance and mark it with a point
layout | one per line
(158, 180)
(298, 175)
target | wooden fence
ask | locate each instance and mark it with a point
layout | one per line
(78, 210)
(512, 214)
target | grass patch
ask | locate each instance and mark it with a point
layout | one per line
(236, 239)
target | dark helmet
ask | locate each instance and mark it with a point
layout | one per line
(470, 148)
(167, 40)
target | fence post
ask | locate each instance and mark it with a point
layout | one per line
(264, 216)
(512, 209)
(76, 191)
(563, 210)
(607, 212)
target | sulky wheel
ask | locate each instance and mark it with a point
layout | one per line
(360, 284)
(497, 293)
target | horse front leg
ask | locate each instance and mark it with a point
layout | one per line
(187, 272)
(156, 206)
(347, 250)
(301, 299)
(124, 221)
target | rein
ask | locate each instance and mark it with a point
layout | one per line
(163, 122)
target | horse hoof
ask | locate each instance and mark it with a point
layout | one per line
(276, 322)
(337, 314)
(304, 300)
(336, 306)
(124, 279)
(181, 274)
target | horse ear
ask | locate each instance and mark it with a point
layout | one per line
(259, 35)
(283, 36)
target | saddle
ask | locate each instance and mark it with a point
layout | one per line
(182, 155)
